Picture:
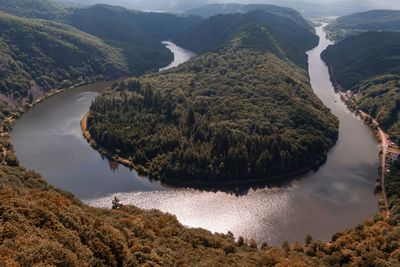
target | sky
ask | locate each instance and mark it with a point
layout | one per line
(347, 6)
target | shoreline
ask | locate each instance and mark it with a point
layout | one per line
(380, 136)
(204, 184)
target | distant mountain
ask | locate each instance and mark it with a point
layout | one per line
(373, 20)
(260, 30)
(42, 55)
(216, 9)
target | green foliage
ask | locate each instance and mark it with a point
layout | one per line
(137, 34)
(38, 54)
(368, 64)
(380, 97)
(373, 20)
(40, 9)
(216, 9)
(258, 30)
(236, 115)
(362, 57)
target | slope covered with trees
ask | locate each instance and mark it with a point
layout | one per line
(43, 226)
(261, 30)
(40, 9)
(238, 114)
(38, 54)
(218, 9)
(373, 20)
(137, 34)
(368, 65)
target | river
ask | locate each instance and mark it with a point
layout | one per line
(339, 195)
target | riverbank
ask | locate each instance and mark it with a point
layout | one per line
(198, 184)
(348, 99)
(49, 140)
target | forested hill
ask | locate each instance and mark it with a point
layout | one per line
(361, 57)
(138, 34)
(369, 65)
(41, 55)
(257, 30)
(41, 9)
(218, 9)
(373, 20)
(245, 112)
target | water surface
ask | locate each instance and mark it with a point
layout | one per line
(339, 195)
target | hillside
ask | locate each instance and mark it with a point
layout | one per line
(368, 64)
(361, 57)
(43, 226)
(258, 30)
(40, 9)
(223, 9)
(242, 113)
(373, 20)
(137, 34)
(38, 55)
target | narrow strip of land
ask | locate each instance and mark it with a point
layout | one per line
(385, 145)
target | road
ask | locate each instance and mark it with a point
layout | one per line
(385, 147)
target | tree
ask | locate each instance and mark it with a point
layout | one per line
(116, 204)
(191, 120)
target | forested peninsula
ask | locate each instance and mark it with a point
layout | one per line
(246, 112)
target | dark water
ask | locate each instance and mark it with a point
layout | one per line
(48, 139)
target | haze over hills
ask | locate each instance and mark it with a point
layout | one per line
(373, 20)
(309, 8)
(268, 30)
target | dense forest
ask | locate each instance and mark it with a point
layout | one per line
(373, 20)
(223, 9)
(368, 65)
(238, 114)
(137, 34)
(40, 9)
(42, 55)
(261, 30)
(43, 226)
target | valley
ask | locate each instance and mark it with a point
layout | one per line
(341, 191)
(212, 137)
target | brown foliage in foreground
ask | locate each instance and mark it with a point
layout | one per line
(41, 226)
